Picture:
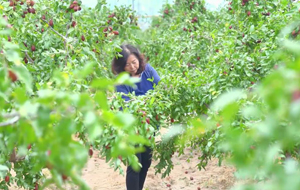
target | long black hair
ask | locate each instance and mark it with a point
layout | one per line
(119, 63)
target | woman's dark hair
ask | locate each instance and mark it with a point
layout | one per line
(119, 63)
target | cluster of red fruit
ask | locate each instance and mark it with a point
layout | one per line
(195, 19)
(295, 33)
(110, 16)
(75, 6)
(110, 29)
(244, 2)
(192, 5)
(30, 4)
(13, 3)
(166, 11)
(248, 12)
(50, 22)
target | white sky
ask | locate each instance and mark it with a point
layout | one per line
(148, 7)
(91, 3)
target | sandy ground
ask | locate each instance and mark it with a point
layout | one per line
(99, 176)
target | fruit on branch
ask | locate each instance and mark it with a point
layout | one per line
(148, 120)
(75, 6)
(73, 23)
(7, 179)
(31, 3)
(112, 15)
(195, 19)
(266, 14)
(157, 118)
(51, 23)
(13, 77)
(11, 3)
(166, 11)
(91, 152)
(296, 95)
(64, 177)
(36, 187)
(82, 38)
(116, 33)
(33, 48)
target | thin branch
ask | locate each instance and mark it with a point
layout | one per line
(28, 57)
(65, 42)
(14, 158)
(68, 26)
(10, 122)
(10, 115)
(16, 116)
(65, 39)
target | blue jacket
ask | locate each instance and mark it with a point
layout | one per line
(143, 86)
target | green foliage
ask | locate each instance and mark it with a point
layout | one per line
(218, 90)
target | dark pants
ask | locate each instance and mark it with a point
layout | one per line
(136, 180)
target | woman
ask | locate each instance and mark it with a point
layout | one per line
(132, 61)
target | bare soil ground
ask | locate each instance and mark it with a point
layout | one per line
(99, 176)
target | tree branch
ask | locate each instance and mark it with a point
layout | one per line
(11, 121)
(13, 157)
(64, 38)
(65, 42)
(15, 116)
(28, 57)
(10, 115)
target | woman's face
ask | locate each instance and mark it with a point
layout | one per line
(132, 65)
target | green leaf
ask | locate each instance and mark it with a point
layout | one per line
(20, 95)
(227, 98)
(252, 28)
(174, 131)
(292, 46)
(89, 118)
(24, 75)
(123, 119)
(85, 71)
(124, 78)
(3, 168)
(94, 131)
(101, 83)
(101, 99)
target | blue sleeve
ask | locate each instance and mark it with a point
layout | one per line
(154, 74)
(125, 90)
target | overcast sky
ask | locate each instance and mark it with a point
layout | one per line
(144, 4)
(147, 7)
